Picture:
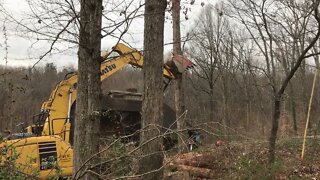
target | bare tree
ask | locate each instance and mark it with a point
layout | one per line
(150, 166)
(261, 24)
(213, 51)
(179, 87)
(87, 124)
(54, 25)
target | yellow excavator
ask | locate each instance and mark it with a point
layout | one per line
(45, 147)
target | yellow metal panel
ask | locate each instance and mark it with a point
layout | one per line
(29, 157)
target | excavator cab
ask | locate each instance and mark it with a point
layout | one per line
(38, 121)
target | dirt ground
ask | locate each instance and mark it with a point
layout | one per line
(247, 160)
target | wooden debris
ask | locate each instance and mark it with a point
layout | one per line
(195, 164)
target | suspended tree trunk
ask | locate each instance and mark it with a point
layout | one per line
(151, 162)
(89, 88)
(179, 90)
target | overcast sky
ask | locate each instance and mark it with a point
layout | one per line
(22, 50)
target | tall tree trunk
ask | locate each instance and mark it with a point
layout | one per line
(179, 88)
(278, 94)
(10, 107)
(151, 162)
(293, 108)
(89, 89)
(304, 90)
(212, 105)
(274, 129)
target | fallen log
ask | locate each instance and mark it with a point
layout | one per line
(178, 175)
(197, 160)
(195, 171)
(191, 162)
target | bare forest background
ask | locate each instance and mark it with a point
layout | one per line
(246, 108)
(229, 92)
(254, 67)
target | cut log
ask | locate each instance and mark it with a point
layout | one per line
(195, 171)
(183, 175)
(191, 162)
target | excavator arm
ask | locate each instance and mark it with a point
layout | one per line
(136, 59)
(58, 106)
